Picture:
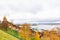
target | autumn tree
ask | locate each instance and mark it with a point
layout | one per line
(4, 23)
(25, 31)
(37, 35)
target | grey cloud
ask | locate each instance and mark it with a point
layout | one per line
(28, 7)
(33, 6)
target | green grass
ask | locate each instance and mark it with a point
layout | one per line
(5, 36)
(12, 32)
(32, 38)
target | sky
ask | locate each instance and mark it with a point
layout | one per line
(30, 10)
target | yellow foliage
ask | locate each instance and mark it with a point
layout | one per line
(36, 36)
(25, 31)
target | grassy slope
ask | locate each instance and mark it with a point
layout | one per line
(5, 36)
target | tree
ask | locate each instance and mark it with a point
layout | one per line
(25, 31)
(36, 35)
(4, 26)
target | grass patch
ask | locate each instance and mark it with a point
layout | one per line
(5, 36)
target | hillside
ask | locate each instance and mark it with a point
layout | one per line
(5, 36)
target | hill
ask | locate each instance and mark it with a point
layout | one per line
(5, 36)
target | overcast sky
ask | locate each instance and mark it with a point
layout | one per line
(20, 10)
